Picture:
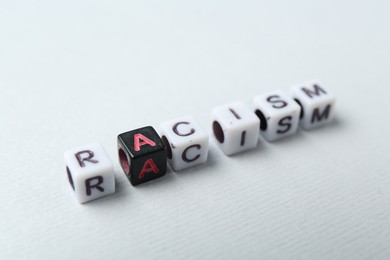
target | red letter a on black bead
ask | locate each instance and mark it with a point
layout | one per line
(140, 140)
(149, 166)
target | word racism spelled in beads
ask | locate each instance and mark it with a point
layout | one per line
(143, 154)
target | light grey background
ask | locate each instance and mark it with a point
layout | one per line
(76, 72)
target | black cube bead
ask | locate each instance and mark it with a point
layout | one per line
(142, 154)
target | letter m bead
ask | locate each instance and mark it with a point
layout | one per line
(90, 172)
(317, 103)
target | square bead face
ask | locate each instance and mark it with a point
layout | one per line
(90, 172)
(317, 104)
(142, 155)
(235, 128)
(186, 142)
(278, 114)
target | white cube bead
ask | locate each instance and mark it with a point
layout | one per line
(317, 104)
(278, 114)
(186, 142)
(236, 128)
(90, 172)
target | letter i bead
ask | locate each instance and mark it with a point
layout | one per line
(236, 128)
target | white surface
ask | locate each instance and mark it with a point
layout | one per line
(280, 112)
(76, 72)
(237, 128)
(91, 171)
(187, 141)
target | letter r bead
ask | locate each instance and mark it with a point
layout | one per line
(90, 172)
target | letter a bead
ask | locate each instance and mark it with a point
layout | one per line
(90, 172)
(317, 104)
(187, 143)
(142, 155)
(236, 128)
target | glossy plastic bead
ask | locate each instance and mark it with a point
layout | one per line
(90, 172)
(235, 127)
(142, 155)
(187, 143)
(278, 114)
(317, 103)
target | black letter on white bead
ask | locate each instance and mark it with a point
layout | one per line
(184, 154)
(88, 159)
(317, 91)
(243, 134)
(176, 131)
(235, 114)
(285, 122)
(276, 101)
(317, 116)
(89, 186)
